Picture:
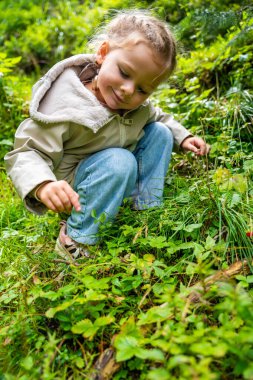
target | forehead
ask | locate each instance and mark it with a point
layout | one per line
(140, 60)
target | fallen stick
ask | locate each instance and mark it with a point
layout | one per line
(106, 365)
(239, 267)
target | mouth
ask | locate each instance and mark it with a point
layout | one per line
(117, 97)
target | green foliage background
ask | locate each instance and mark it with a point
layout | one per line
(55, 319)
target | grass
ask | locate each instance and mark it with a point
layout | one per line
(55, 319)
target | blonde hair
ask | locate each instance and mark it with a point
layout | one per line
(127, 27)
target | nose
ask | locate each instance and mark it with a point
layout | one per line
(128, 88)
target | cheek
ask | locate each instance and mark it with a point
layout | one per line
(102, 78)
(140, 98)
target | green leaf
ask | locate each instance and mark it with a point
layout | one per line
(89, 329)
(210, 349)
(159, 373)
(93, 283)
(92, 295)
(180, 247)
(155, 314)
(248, 165)
(79, 363)
(236, 200)
(93, 213)
(127, 347)
(103, 321)
(153, 354)
(6, 142)
(192, 227)
(210, 243)
(82, 326)
(157, 242)
(250, 279)
(27, 363)
(50, 313)
(239, 183)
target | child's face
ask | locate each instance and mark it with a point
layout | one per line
(128, 75)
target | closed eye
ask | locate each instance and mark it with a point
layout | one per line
(123, 73)
(142, 91)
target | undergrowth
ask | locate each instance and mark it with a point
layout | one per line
(56, 319)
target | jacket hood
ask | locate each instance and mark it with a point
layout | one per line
(60, 96)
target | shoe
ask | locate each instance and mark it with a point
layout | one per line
(68, 248)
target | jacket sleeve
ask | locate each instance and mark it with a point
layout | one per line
(179, 132)
(38, 149)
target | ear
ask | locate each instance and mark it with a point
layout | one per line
(102, 52)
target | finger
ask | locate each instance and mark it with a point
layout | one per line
(75, 201)
(193, 149)
(65, 200)
(205, 150)
(57, 203)
(50, 206)
(202, 150)
(73, 198)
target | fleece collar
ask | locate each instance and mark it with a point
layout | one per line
(70, 100)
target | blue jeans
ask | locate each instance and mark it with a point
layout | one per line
(106, 177)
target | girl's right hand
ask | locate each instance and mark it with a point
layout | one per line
(58, 196)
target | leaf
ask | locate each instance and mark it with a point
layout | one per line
(93, 283)
(130, 328)
(159, 373)
(79, 362)
(210, 243)
(92, 295)
(192, 227)
(50, 313)
(89, 329)
(209, 349)
(155, 314)
(236, 199)
(250, 279)
(239, 183)
(6, 142)
(149, 258)
(82, 326)
(93, 213)
(153, 354)
(189, 228)
(180, 247)
(157, 242)
(221, 175)
(248, 166)
(103, 321)
(27, 363)
(127, 347)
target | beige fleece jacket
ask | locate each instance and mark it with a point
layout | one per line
(67, 123)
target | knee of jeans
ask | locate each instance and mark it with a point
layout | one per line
(123, 163)
(162, 133)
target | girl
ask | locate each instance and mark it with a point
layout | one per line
(93, 138)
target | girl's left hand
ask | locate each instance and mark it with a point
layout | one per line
(196, 145)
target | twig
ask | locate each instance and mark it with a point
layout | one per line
(56, 350)
(66, 262)
(222, 275)
(83, 352)
(144, 296)
(106, 365)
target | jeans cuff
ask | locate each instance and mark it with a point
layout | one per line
(144, 205)
(82, 239)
